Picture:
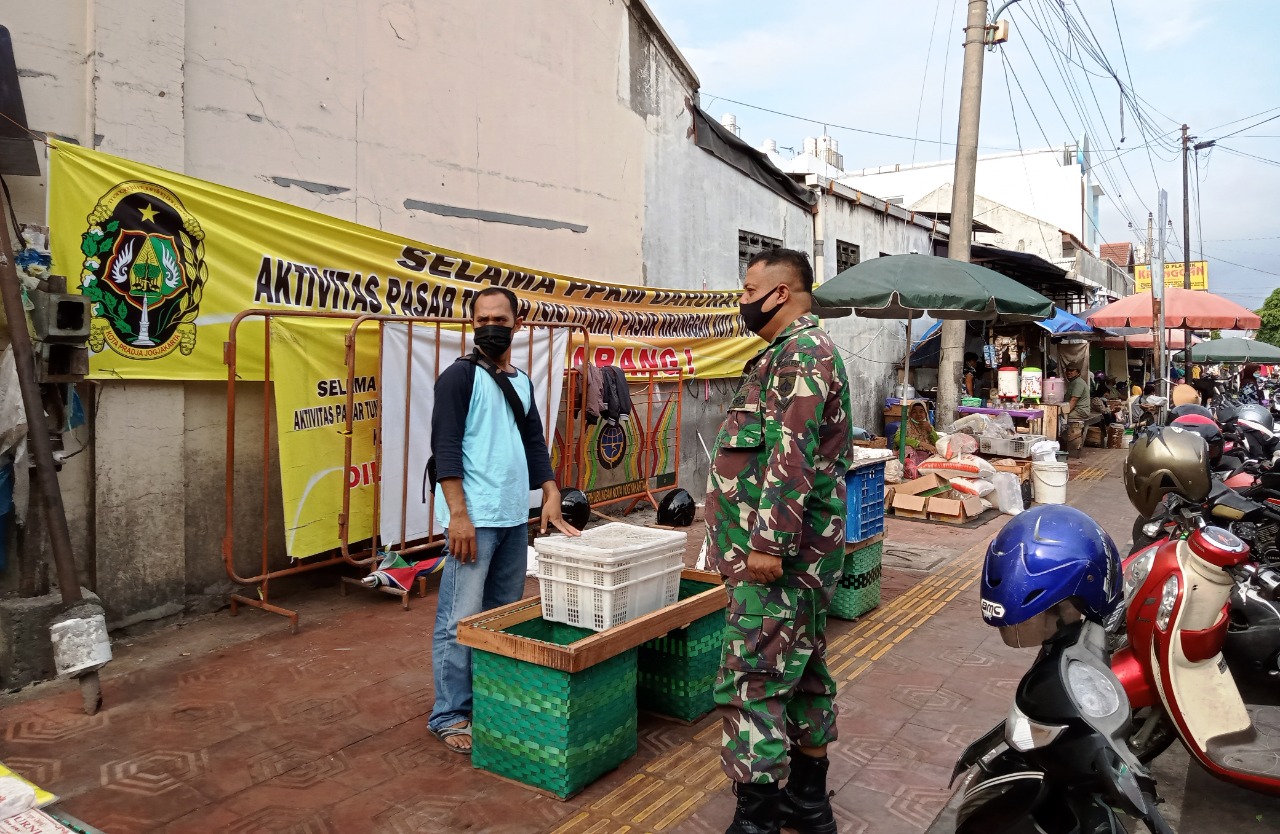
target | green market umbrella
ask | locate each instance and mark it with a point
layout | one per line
(1235, 350)
(910, 286)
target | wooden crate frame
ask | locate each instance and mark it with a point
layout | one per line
(484, 631)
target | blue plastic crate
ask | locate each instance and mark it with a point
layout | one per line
(865, 499)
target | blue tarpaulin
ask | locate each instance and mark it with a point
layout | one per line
(924, 351)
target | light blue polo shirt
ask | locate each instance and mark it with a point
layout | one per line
(495, 474)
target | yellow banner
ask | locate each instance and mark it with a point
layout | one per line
(1172, 276)
(309, 374)
(169, 260)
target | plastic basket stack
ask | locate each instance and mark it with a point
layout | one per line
(610, 574)
(865, 502)
(554, 730)
(1018, 446)
(859, 589)
(676, 673)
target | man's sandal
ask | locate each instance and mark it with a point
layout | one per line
(446, 733)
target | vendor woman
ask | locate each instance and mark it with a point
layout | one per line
(920, 438)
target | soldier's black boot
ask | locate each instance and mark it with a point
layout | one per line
(806, 805)
(757, 811)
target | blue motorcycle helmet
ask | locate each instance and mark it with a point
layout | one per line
(1047, 556)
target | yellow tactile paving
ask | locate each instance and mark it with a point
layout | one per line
(673, 785)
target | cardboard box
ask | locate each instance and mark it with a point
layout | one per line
(954, 507)
(910, 499)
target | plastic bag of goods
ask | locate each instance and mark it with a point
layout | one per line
(951, 446)
(1008, 493)
(1044, 450)
(1001, 425)
(970, 486)
(893, 471)
(965, 466)
(971, 424)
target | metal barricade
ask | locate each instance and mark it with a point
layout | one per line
(358, 551)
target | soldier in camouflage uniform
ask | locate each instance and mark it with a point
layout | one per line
(775, 524)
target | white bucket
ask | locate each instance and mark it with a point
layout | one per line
(1050, 480)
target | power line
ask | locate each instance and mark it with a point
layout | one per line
(928, 55)
(1250, 127)
(1249, 155)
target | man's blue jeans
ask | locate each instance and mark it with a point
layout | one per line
(495, 578)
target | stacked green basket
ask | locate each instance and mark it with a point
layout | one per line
(859, 589)
(676, 673)
(554, 730)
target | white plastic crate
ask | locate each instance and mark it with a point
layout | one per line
(611, 544)
(609, 574)
(597, 608)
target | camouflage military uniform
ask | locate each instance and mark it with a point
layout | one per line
(777, 486)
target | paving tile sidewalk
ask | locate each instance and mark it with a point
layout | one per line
(325, 731)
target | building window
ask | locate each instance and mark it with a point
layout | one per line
(750, 245)
(847, 255)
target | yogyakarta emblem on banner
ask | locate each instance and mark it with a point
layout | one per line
(144, 270)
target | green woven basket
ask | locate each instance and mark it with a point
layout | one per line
(554, 730)
(859, 589)
(676, 673)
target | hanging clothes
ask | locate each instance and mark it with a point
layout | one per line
(592, 397)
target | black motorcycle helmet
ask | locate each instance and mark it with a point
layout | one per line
(1255, 413)
(575, 507)
(676, 509)
(1206, 428)
(1189, 408)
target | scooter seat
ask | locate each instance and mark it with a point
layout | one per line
(1254, 750)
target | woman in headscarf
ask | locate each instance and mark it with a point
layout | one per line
(1250, 390)
(920, 439)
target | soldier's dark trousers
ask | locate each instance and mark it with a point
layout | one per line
(774, 686)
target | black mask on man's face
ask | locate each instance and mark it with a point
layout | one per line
(754, 314)
(493, 339)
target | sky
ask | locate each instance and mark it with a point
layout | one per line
(863, 67)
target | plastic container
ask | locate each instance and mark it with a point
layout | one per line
(858, 590)
(865, 502)
(1050, 480)
(1055, 390)
(609, 575)
(1007, 383)
(1008, 493)
(1031, 387)
(971, 402)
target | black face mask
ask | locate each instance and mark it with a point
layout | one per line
(493, 339)
(753, 312)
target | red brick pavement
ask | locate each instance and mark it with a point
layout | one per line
(325, 731)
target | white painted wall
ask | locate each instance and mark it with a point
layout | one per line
(1035, 183)
(571, 111)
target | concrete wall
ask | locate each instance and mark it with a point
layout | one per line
(872, 348)
(381, 112)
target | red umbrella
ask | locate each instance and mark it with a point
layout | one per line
(1182, 308)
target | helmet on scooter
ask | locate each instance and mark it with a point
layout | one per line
(1046, 556)
(575, 507)
(1163, 461)
(1206, 428)
(677, 509)
(1189, 408)
(1255, 413)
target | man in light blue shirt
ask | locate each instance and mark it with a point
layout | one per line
(488, 457)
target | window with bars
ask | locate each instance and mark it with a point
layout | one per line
(749, 245)
(847, 255)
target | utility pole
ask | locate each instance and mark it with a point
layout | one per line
(1152, 261)
(1186, 254)
(962, 190)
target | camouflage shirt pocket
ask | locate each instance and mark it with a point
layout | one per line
(743, 429)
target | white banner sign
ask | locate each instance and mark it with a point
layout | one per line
(539, 351)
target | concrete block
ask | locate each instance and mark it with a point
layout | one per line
(26, 649)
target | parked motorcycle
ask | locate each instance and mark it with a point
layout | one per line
(1177, 623)
(1059, 761)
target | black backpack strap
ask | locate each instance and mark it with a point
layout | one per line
(504, 383)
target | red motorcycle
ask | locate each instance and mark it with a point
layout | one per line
(1176, 621)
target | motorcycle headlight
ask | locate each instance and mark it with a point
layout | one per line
(1091, 690)
(1168, 597)
(1136, 573)
(1023, 734)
